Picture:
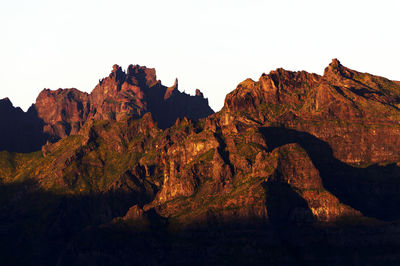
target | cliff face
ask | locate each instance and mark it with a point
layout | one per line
(62, 111)
(121, 93)
(293, 161)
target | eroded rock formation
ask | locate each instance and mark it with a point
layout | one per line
(120, 96)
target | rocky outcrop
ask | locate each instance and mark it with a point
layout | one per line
(121, 94)
(63, 111)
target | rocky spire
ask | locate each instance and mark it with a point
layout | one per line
(199, 93)
(171, 89)
(336, 69)
(117, 73)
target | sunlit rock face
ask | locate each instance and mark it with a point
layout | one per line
(62, 111)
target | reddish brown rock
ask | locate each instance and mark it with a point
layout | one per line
(344, 107)
(63, 111)
(119, 96)
(171, 90)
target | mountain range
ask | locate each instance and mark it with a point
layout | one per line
(295, 169)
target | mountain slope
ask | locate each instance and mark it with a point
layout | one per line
(296, 169)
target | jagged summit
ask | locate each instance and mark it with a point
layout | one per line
(5, 100)
(119, 96)
(335, 63)
(335, 70)
(5, 104)
(116, 69)
(338, 86)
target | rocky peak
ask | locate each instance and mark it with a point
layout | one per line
(5, 103)
(116, 68)
(7, 108)
(140, 92)
(5, 100)
(170, 90)
(63, 111)
(142, 75)
(120, 96)
(335, 63)
(20, 131)
(117, 73)
(336, 70)
(71, 92)
(199, 93)
(111, 83)
(278, 88)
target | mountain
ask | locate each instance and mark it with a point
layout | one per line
(60, 113)
(120, 95)
(296, 169)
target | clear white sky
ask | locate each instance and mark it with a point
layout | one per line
(208, 44)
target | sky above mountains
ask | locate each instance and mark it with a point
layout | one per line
(209, 45)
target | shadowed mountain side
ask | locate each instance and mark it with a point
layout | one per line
(373, 190)
(285, 206)
(167, 106)
(232, 243)
(39, 227)
(20, 131)
(36, 225)
(80, 230)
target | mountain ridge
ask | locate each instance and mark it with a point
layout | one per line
(295, 166)
(121, 95)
